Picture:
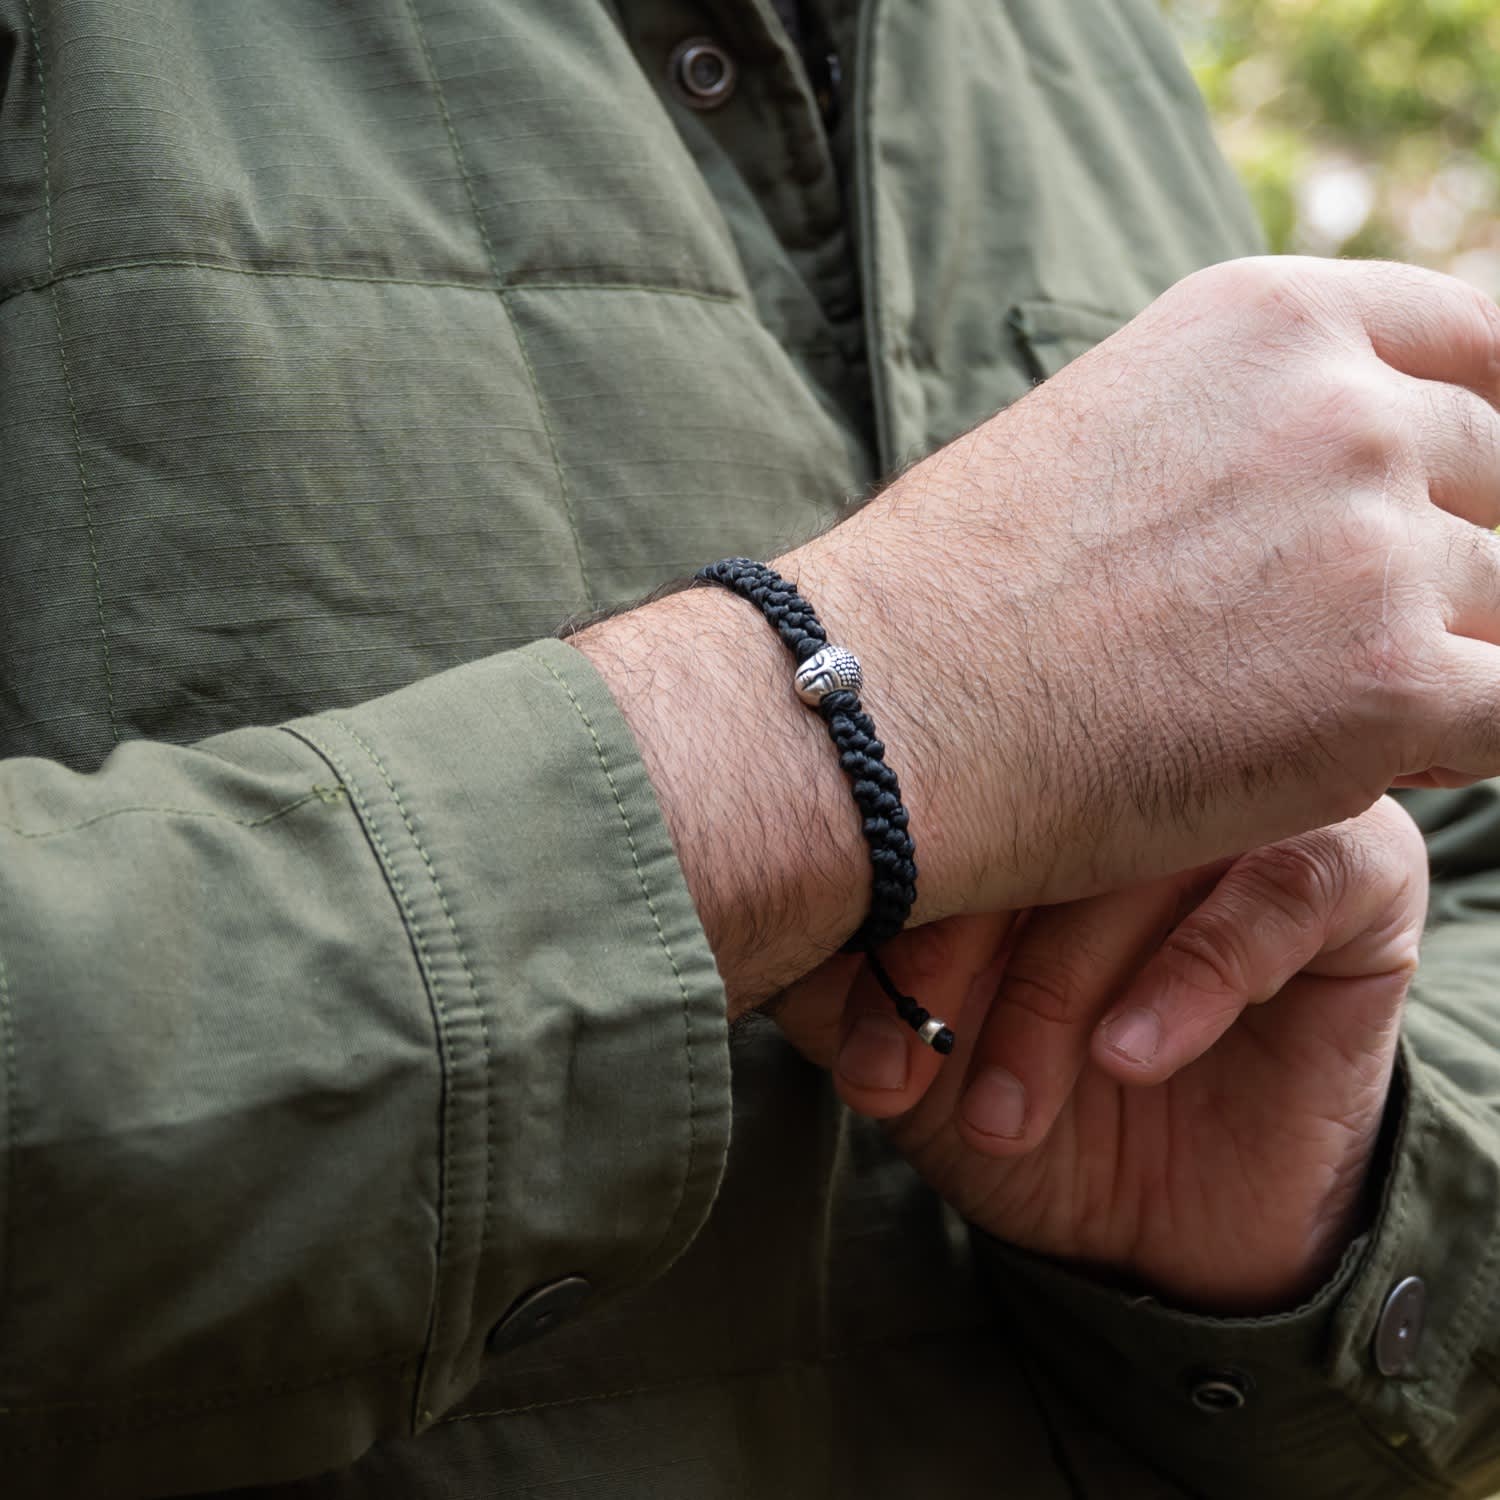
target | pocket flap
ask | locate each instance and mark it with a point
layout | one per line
(1052, 334)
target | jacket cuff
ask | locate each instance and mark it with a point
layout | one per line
(585, 1057)
(1232, 1406)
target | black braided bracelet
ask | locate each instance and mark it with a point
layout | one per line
(828, 678)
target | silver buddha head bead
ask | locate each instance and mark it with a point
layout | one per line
(834, 669)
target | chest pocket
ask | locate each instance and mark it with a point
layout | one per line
(1050, 335)
(1025, 157)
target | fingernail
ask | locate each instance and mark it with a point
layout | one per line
(995, 1104)
(1134, 1034)
(874, 1055)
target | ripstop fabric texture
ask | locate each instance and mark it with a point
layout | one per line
(354, 1016)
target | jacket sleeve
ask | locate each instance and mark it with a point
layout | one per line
(1317, 1417)
(320, 1046)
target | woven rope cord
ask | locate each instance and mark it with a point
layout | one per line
(877, 792)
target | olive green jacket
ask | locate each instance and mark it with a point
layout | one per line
(365, 1087)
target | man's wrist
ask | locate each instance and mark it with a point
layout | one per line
(758, 808)
(750, 788)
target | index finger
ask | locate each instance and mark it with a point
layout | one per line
(1066, 969)
(1426, 324)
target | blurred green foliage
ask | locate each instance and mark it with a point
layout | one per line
(1361, 127)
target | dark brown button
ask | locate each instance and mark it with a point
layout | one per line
(1219, 1390)
(702, 72)
(1399, 1331)
(537, 1312)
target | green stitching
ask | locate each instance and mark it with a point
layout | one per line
(62, 359)
(562, 482)
(487, 288)
(515, 330)
(615, 1395)
(41, 85)
(661, 937)
(88, 516)
(871, 267)
(214, 1403)
(1446, 1372)
(228, 1392)
(858, 1351)
(317, 794)
(7, 1142)
(440, 1023)
(733, 299)
(463, 958)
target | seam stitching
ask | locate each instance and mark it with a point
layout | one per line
(52, 278)
(441, 98)
(209, 1394)
(463, 959)
(67, 377)
(88, 518)
(868, 210)
(434, 988)
(753, 1372)
(317, 794)
(562, 481)
(666, 947)
(517, 1411)
(191, 1408)
(7, 1141)
(1448, 1373)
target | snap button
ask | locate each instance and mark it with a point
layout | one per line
(702, 72)
(1219, 1390)
(536, 1312)
(1399, 1331)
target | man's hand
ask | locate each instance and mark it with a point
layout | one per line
(1214, 584)
(1191, 1102)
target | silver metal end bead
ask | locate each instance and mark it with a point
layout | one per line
(834, 669)
(929, 1030)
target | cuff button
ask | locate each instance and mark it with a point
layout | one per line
(537, 1312)
(1218, 1391)
(1398, 1333)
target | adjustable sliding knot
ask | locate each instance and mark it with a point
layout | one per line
(918, 1017)
(829, 678)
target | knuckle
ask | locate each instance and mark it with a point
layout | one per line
(1050, 993)
(1386, 618)
(1275, 895)
(1387, 817)
(1477, 726)
(1240, 299)
(1466, 430)
(1393, 682)
(927, 953)
(1471, 415)
(1299, 878)
(1383, 832)
(1483, 317)
(1207, 954)
(1352, 413)
(1383, 663)
(1471, 567)
(1405, 954)
(1246, 280)
(1281, 300)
